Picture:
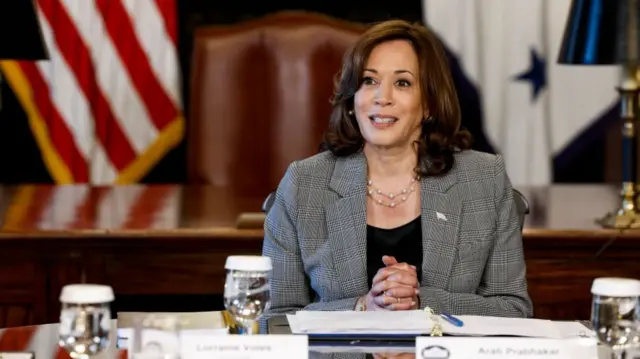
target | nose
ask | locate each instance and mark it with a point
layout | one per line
(383, 96)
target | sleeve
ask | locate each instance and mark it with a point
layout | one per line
(290, 289)
(503, 289)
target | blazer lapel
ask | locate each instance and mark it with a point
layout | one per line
(440, 219)
(347, 225)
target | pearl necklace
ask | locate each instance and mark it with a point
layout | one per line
(394, 199)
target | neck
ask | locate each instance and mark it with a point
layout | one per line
(392, 162)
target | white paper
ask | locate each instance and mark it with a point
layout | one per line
(417, 322)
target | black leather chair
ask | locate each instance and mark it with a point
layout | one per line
(522, 205)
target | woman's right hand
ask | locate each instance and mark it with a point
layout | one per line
(396, 294)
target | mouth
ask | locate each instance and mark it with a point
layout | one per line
(383, 121)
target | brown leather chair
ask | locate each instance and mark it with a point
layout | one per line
(260, 94)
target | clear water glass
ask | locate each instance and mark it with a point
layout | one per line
(155, 336)
(246, 290)
(85, 319)
(615, 313)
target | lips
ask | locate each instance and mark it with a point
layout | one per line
(382, 121)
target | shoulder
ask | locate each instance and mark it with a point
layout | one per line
(316, 164)
(470, 165)
(481, 174)
(311, 171)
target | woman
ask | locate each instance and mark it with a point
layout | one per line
(397, 213)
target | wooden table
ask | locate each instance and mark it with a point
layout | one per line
(170, 239)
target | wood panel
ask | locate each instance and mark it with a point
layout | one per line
(22, 291)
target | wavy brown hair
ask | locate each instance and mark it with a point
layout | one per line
(441, 133)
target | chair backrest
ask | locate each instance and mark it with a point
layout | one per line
(522, 205)
(260, 97)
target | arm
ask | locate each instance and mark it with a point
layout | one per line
(503, 289)
(290, 290)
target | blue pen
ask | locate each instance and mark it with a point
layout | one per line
(451, 319)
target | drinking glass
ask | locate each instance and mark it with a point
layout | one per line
(85, 319)
(246, 290)
(615, 313)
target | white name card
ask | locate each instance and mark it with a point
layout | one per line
(17, 355)
(503, 348)
(200, 345)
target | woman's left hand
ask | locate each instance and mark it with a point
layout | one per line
(398, 287)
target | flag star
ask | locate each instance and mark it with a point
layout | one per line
(536, 75)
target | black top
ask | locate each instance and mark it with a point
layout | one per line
(404, 243)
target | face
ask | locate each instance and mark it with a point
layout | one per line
(388, 104)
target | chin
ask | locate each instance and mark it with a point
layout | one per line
(384, 142)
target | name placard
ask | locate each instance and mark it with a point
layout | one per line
(17, 355)
(503, 348)
(197, 345)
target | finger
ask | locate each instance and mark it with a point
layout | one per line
(405, 278)
(401, 304)
(386, 301)
(389, 260)
(403, 266)
(386, 285)
(402, 291)
(382, 274)
(391, 287)
(391, 303)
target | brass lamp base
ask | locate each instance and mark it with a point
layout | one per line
(625, 220)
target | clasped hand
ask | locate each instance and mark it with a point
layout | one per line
(394, 287)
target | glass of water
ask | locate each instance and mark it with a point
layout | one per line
(85, 319)
(246, 290)
(615, 313)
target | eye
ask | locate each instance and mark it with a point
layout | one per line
(403, 83)
(368, 81)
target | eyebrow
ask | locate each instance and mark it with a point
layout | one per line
(396, 72)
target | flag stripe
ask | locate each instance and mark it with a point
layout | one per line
(119, 27)
(73, 49)
(59, 133)
(74, 108)
(102, 172)
(60, 171)
(111, 76)
(167, 9)
(151, 33)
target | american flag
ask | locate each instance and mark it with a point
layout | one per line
(106, 106)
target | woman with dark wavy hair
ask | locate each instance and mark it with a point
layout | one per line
(397, 213)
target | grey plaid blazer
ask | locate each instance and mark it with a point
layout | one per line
(315, 234)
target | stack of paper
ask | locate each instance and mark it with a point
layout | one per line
(418, 322)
